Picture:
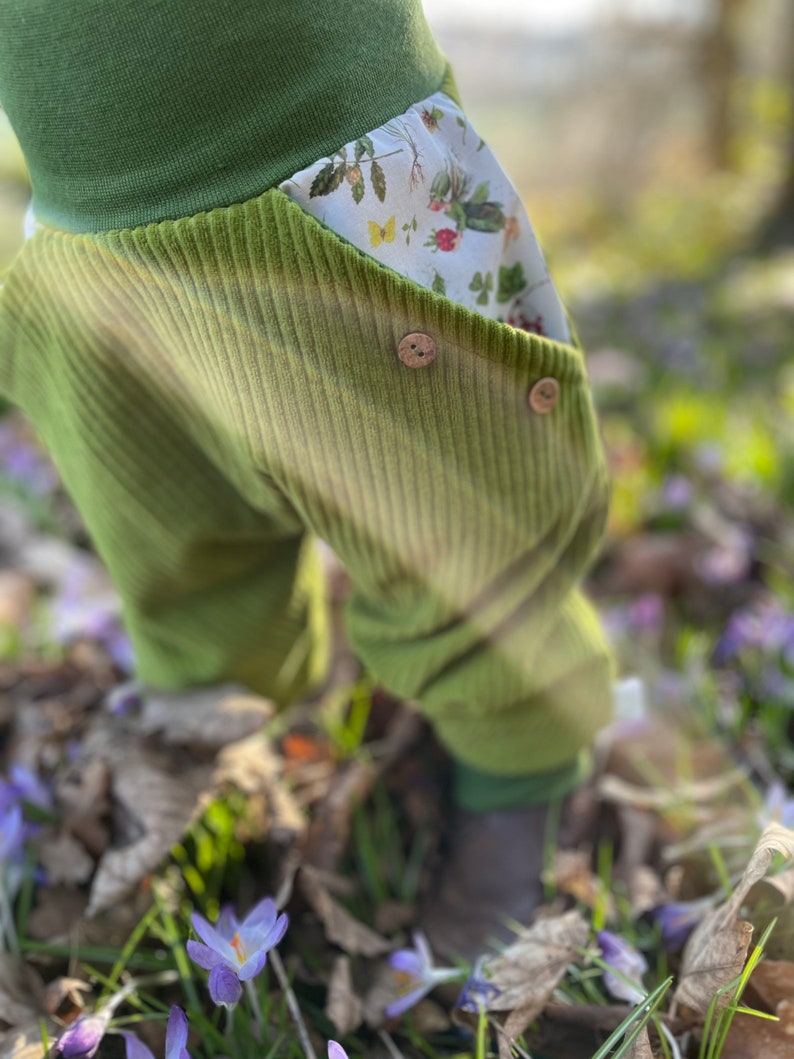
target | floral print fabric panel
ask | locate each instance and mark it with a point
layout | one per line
(425, 196)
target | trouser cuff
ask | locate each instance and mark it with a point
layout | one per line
(478, 791)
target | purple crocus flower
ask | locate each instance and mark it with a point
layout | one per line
(777, 807)
(12, 833)
(335, 1051)
(81, 1040)
(677, 920)
(676, 492)
(416, 975)
(234, 951)
(124, 698)
(646, 613)
(87, 607)
(26, 784)
(477, 992)
(175, 1039)
(24, 462)
(628, 964)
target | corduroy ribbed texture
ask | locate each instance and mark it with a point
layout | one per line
(212, 388)
(131, 111)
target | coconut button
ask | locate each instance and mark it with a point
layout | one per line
(417, 349)
(543, 395)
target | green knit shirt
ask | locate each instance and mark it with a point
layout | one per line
(133, 111)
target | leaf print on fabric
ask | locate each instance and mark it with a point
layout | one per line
(363, 144)
(484, 216)
(439, 284)
(449, 192)
(328, 179)
(378, 178)
(483, 284)
(409, 228)
(480, 193)
(511, 282)
(378, 235)
(463, 126)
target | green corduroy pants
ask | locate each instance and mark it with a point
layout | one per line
(217, 389)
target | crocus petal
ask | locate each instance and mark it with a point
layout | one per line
(407, 962)
(135, 1049)
(403, 1003)
(252, 966)
(262, 914)
(211, 936)
(276, 932)
(629, 964)
(224, 986)
(81, 1040)
(422, 947)
(336, 1051)
(175, 1033)
(227, 924)
(203, 955)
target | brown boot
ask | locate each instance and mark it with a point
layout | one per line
(491, 875)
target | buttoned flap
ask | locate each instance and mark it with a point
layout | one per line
(358, 279)
(364, 370)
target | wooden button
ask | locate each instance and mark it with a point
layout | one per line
(417, 350)
(543, 395)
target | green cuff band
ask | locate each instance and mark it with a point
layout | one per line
(482, 792)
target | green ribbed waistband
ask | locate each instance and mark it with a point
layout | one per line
(136, 111)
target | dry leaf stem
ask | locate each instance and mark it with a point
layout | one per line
(292, 1004)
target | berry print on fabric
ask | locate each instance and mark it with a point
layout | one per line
(444, 192)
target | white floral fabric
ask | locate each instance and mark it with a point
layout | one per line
(426, 197)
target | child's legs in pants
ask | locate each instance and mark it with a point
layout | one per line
(213, 588)
(229, 381)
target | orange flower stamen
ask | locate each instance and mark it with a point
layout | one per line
(239, 949)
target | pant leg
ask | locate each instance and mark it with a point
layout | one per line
(215, 586)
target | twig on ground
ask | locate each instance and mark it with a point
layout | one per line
(292, 1004)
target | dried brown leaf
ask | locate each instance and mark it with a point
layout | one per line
(571, 874)
(761, 1038)
(157, 804)
(771, 982)
(774, 892)
(24, 1041)
(527, 972)
(340, 927)
(717, 949)
(64, 998)
(57, 909)
(21, 991)
(65, 860)
(344, 1007)
(204, 717)
(641, 1049)
(252, 766)
(614, 789)
(82, 794)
